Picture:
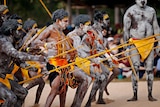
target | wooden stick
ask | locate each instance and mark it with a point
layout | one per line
(46, 8)
(35, 36)
(5, 2)
(58, 69)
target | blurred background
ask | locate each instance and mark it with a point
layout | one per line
(34, 9)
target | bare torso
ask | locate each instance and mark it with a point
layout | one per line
(140, 21)
(51, 35)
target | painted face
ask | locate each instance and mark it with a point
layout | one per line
(4, 17)
(141, 3)
(18, 34)
(106, 23)
(87, 26)
(106, 20)
(64, 23)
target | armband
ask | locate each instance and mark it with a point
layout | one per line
(27, 49)
(45, 45)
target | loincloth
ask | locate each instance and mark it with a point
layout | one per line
(6, 82)
(66, 76)
(144, 47)
(83, 64)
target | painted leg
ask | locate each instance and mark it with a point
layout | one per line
(82, 88)
(10, 101)
(135, 88)
(95, 75)
(94, 97)
(101, 90)
(41, 83)
(39, 91)
(54, 89)
(95, 87)
(103, 81)
(33, 83)
(19, 91)
(150, 78)
(105, 74)
(116, 71)
(9, 97)
(136, 64)
(80, 93)
(63, 97)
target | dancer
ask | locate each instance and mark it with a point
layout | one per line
(8, 52)
(101, 22)
(140, 21)
(82, 24)
(53, 42)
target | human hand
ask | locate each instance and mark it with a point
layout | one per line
(49, 45)
(33, 50)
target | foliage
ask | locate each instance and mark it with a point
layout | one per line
(33, 9)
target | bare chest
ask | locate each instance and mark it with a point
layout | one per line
(142, 16)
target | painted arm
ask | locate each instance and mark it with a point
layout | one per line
(8, 49)
(127, 25)
(156, 28)
(41, 39)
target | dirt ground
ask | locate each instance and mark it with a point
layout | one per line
(119, 93)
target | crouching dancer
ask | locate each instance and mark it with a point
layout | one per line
(11, 92)
(85, 44)
(54, 43)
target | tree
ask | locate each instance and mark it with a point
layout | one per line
(33, 9)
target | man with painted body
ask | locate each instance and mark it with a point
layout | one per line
(30, 29)
(46, 41)
(4, 13)
(82, 25)
(140, 22)
(100, 46)
(85, 42)
(101, 22)
(15, 95)
(54, 40)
